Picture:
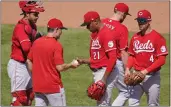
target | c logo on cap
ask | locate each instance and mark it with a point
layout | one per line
(140, 13)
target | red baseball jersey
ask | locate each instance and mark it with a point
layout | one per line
(100, 43)
(19, 36)
(146, 49)
(45, 54)
(122, 35)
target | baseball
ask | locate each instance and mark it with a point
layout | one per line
(75, 62)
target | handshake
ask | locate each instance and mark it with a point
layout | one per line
(77, 62)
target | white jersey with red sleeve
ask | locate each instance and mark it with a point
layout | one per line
(100, 43)
(146, 49)
(121, 37)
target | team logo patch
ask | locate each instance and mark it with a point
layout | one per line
(140, 13)
(163, 49)
(110, 44)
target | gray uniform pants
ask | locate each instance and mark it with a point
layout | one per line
(55, 99)
(151, 87)
(121, 86)
(106, 99)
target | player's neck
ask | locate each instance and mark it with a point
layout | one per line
(50, 35)
(115, 17)
(101, 25)
(146, 31)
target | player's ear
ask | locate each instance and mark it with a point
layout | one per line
(27, 14)
(56, 30)
(149, 22)
(96, 22)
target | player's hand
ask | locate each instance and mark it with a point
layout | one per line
(127, 72)
(144, 72)
(136, 78)
(103, 80)
(74, 63)
(80, 61)
(139, 76)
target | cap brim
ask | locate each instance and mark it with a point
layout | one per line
(129, 14)
(84, 24)
(138, 18)
(22, 14)
(64, 28)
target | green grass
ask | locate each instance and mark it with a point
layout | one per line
(76, 44)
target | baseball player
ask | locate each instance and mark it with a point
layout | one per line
(121, 10)
(102, 53)
(23, 35)
(45, 61)
(147, 54)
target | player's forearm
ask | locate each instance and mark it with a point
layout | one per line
(110, 65)
(105, 76)
(26, 45)
(63, 67)
(124, 56)
(158, 63)
(130, 62)
(84, 61)
(29, 65)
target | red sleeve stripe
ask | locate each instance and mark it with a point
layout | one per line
(110, 49)
(24, 40)
(124, 48)
(166, 53)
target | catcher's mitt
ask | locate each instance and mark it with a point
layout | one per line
(134, 78)
(96, 90)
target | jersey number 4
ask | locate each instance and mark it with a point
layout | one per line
(96, 55)
(151, 58)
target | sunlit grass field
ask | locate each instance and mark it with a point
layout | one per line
(76, 44)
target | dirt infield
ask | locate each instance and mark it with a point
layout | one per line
(71, 13)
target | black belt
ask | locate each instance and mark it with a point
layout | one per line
(96, 69)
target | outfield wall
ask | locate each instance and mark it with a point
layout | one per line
(71, 13)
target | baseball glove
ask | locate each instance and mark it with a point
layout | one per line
(134, 78)
(96, 90)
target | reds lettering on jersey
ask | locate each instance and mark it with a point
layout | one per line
(121, 37)
(101, 43)
(143, 47)
(146, 49)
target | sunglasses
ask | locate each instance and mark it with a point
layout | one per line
(142, 20)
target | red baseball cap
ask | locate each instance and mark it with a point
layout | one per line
(144, 14)
(90, 16)
(56, 23)
(31, 6)
(122, 7)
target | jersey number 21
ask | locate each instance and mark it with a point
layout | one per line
(96, 55)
